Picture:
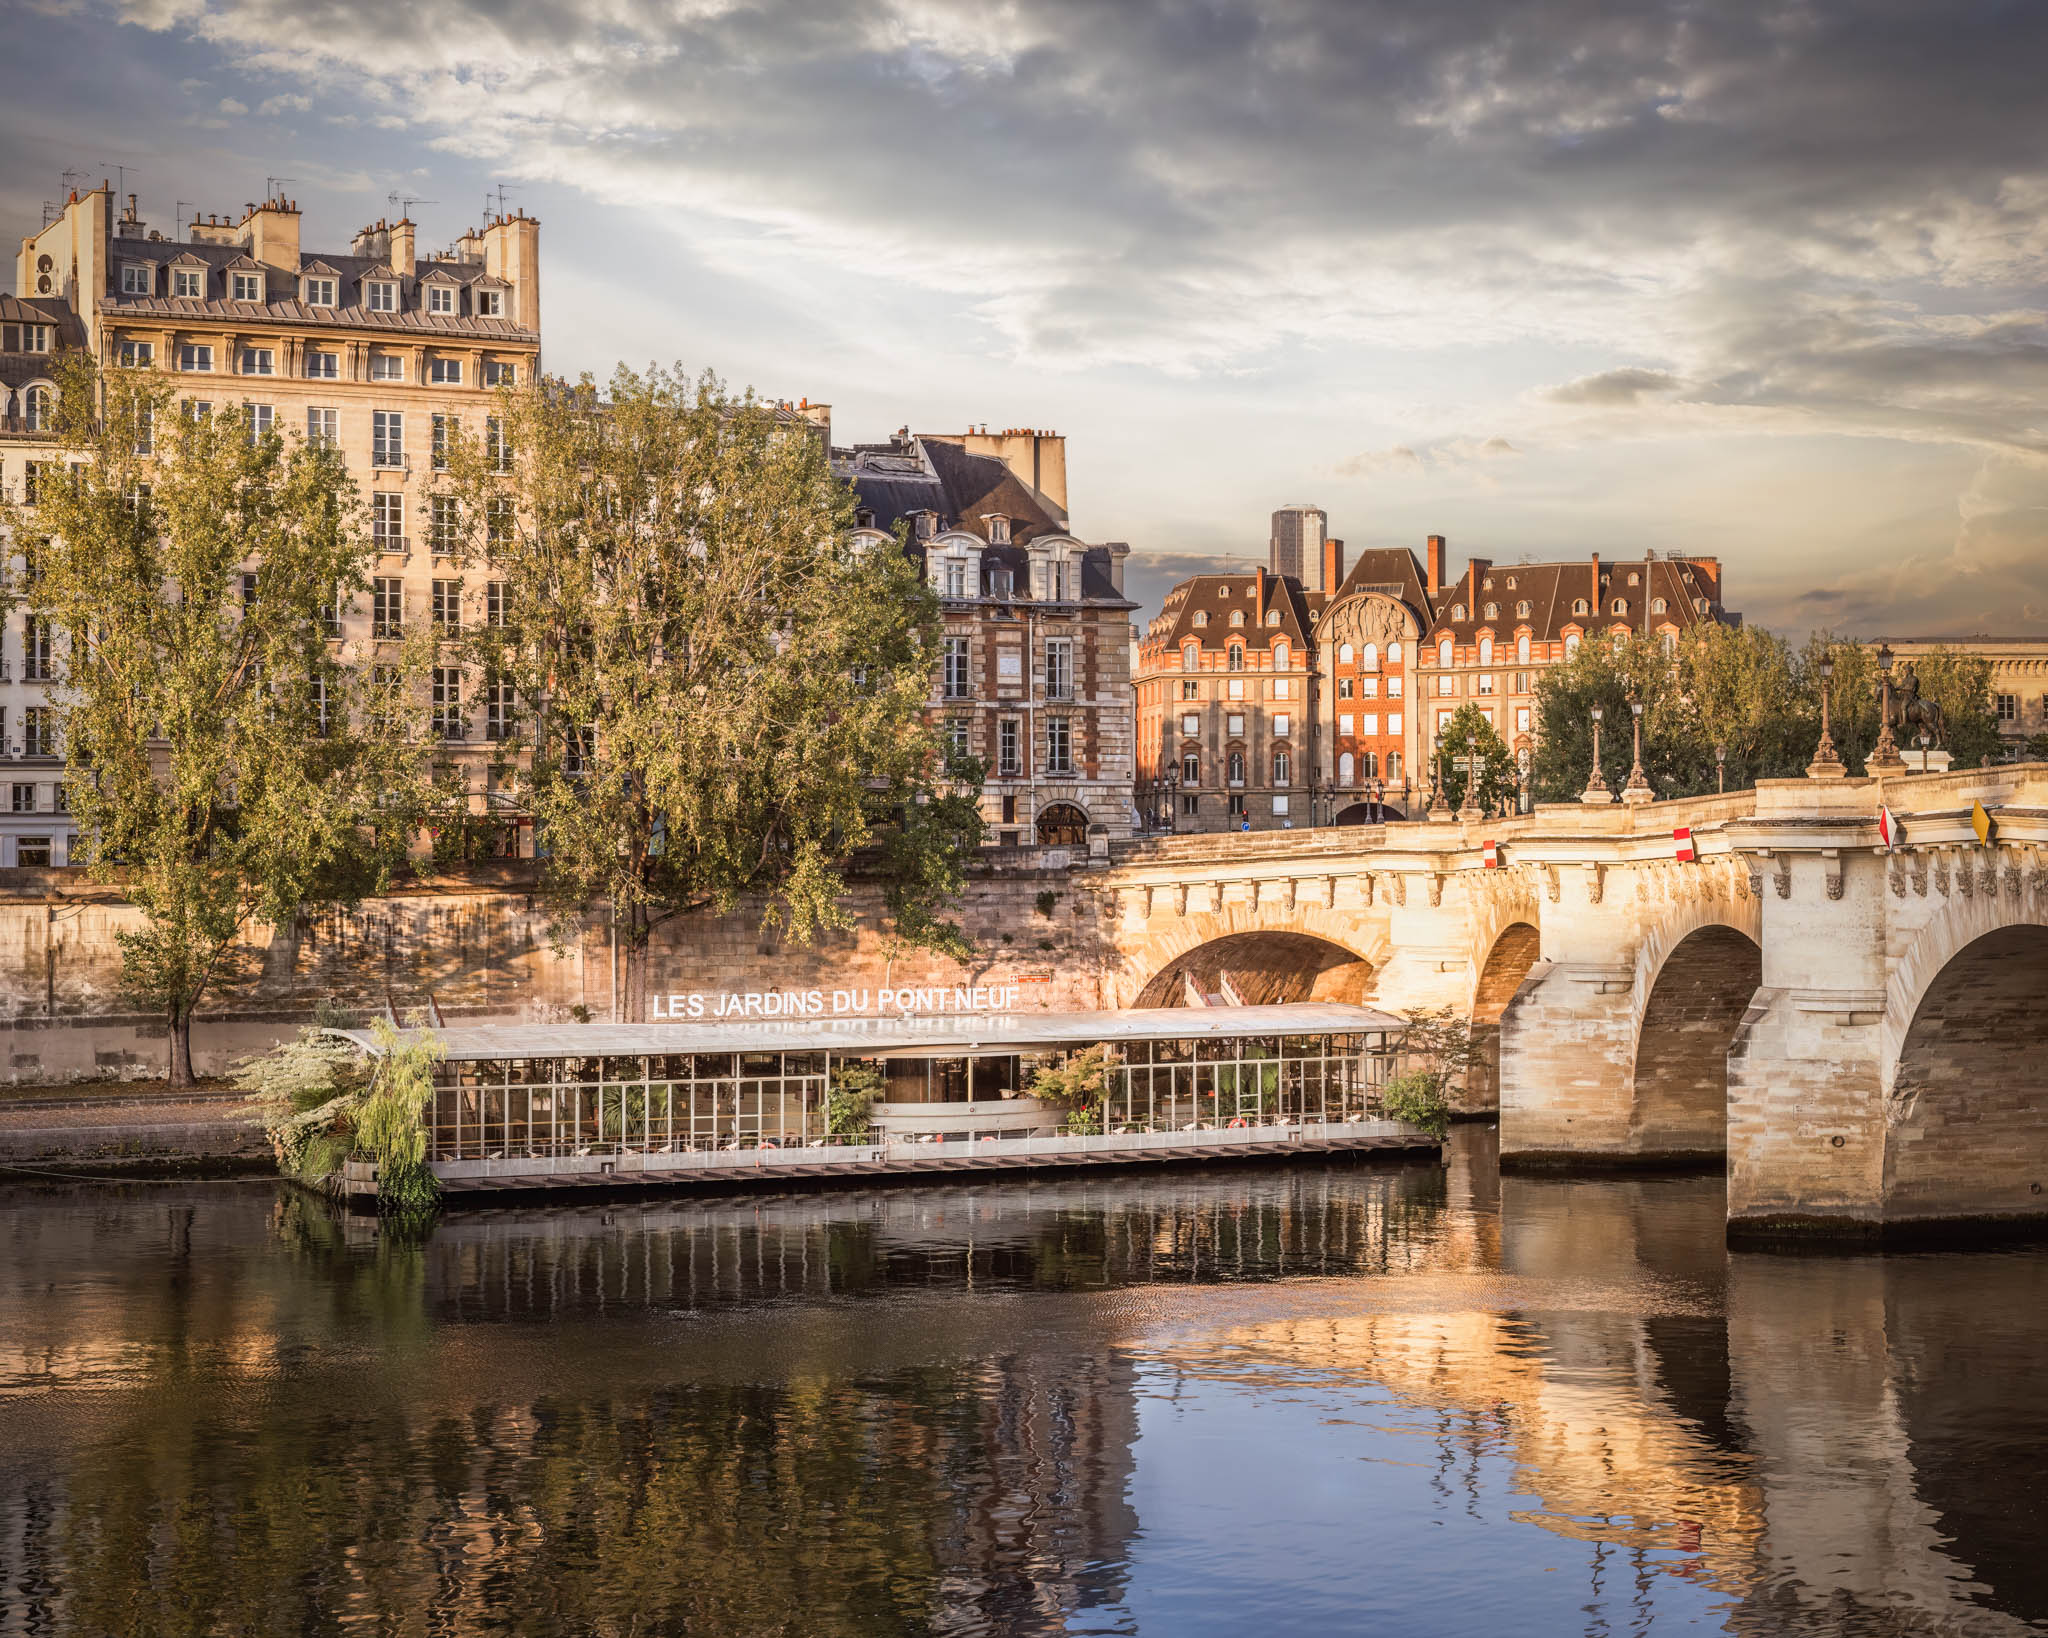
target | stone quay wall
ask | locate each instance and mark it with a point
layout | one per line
(486, 949)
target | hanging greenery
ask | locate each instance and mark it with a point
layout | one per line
(850, 1100)
(390, 1125)
(1077, 1085)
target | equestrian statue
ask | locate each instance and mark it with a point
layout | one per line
(1914, 714)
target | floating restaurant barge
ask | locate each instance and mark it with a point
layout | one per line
(774, 1102)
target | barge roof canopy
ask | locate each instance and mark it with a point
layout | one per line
(868, 1037)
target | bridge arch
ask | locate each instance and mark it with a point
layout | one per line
(1687, 1021)
(1965, 1070)
(1502, 968)
(1262, 967)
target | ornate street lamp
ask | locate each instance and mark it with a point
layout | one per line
(1827, 762)
(1430, 809)
(1469, 810)
(1522, 763)
(1596, 792)
(1721, 769)
(1884, 756)
(1638, 787)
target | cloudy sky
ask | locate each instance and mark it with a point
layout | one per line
(1543, 276)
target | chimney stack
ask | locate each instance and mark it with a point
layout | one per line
(1593, 602)
(401, 247)
(1333, 566)
(1259, 595)
(1436, 565)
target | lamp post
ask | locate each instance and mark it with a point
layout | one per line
(1827, 762)
(1638, 787)
(1469, 810)
(1884, 756)
(1721, 769)
(1522, 764)
(1596, 792)
(1430, 808)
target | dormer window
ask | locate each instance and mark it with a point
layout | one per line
(1521, 608)
(1237, 617)
(138, 279)
(1486, 584)
(1619, 606)
(1443, 651)
(998, 527)
(1001, 583)
(1282, 655)
(1659, 606)
(248, 286)
(1272, 617)
(490, 304)
(189, 283)
(1635, 580)
(1493, 611)
(1511, 582)
(1237, 656)
(381, 296)
(1201, 618)
(1579, 606)
(1190, 657)
(440, 298)
(1457, 611)
(1699, 605)
(320, 293)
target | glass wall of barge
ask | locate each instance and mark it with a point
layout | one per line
(503, 1109)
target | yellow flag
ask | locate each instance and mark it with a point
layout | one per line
(1980, 822)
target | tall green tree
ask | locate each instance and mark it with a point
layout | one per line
(718, 694)
(1611, 674)
(1746, 693)
(1468, 740)
(224, 759)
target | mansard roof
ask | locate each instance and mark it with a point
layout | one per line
(1551, 590)
(1199, 610)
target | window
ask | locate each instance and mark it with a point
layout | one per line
(440, 298)
(448, 606)
(1200, 620)
(1619, 606)
(498, 520)
(957, 686)
(323, 366)
(1486, 651)
(1236, 656)
(38, 661)
(579, 754)
(248, 589)
(1283, 766)
(438, 443)
(1008, 761)
(387, 520)
(1282, 656)
(491, 304)
(259, 361)
(32, 853)
(1236, 767)
(1369, 687)
(1579, 606)
(1457, 611)
(1521, 719)
(330, 616)
(1668, 641)
(387, 606)
(189, 282)
(1344, 768)
(1233, 725)
(248, 286)
(1522, 609)
(1281, 725)
(498, 373)
(381, 296)
(198, 409)
(320, 293)
(1190, 689)
(1059, 746)
(1493, 611)
(1446, 686)
(195, 357)
(1521, 682)
(1237, 807)
(954, 571)
(386, 367)
(1393, 654)
(1059, 668)
(444, 525)
(138, 279)
(137, 355)
(1486, 681)
(1347, 725)
(1369, 724)
(1282, 687)
(1369, 657)
(1190, 768)
(387, 438)
(1571, 644)
(1659, 606)
(494, 603)
(323, 426)
(1237, 617)
(445, 372)
(24, 799)
(500, 718)
(1345, 687)
(497, 446)
(1522, 649)
(256, 422)
(145, 430)
(38, 731)
(1393, 732)
(956, 737)
(447, 702)
(1272, 617)
(1001, 582)
(36, 407)
(316, 701)
(1190, 657)
(2006, 707)
(1236, 690)
(1190, 724)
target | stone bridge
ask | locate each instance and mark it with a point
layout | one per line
(1862, 1032)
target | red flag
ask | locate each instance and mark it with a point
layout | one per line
(1490, 852)
(1889, 831)
(1682, 847)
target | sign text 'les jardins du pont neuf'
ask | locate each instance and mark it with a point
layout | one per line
(734, 1004)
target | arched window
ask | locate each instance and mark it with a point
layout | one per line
(1620, 606)
(1237, 767)
(1372, 765)
(1283, 764)
(1190, 657)
(1393, 764)
(1522, 649)
(1369, 657)
(1201, 619)
(1272, 617)
(1579, 606)
(1620, 641)
(1659, 606)
(1237, 617)
(1443, 651)
(1344, 767)
(1393, 654)
(1345, 654)
(36, 409)
(1190, 768)
(1237, 656)
(1457, 611)
(1282, 655)
(1486, 651)
(1493, 611)
(1522, 609)
(1571, 645)
(1670, 641)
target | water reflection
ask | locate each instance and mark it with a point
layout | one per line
(1318, 1400)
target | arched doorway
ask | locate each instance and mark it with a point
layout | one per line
(1507, 964)
(1969, 1135)
(1368, 813)
(1681, 1070)
(1061, 824)
(1264, 969)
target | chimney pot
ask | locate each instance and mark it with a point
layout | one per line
(1436, 564)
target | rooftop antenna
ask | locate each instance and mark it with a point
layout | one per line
(178, 229)
(401, 206)
(501, 199)
(273, 186)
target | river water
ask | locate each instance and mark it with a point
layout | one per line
(1329, 1399)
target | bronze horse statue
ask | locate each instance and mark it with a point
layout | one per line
(1914, 715)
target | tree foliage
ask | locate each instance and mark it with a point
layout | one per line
(1468, 739)
(719, 695)
(1077, 1083)
(225, 763)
